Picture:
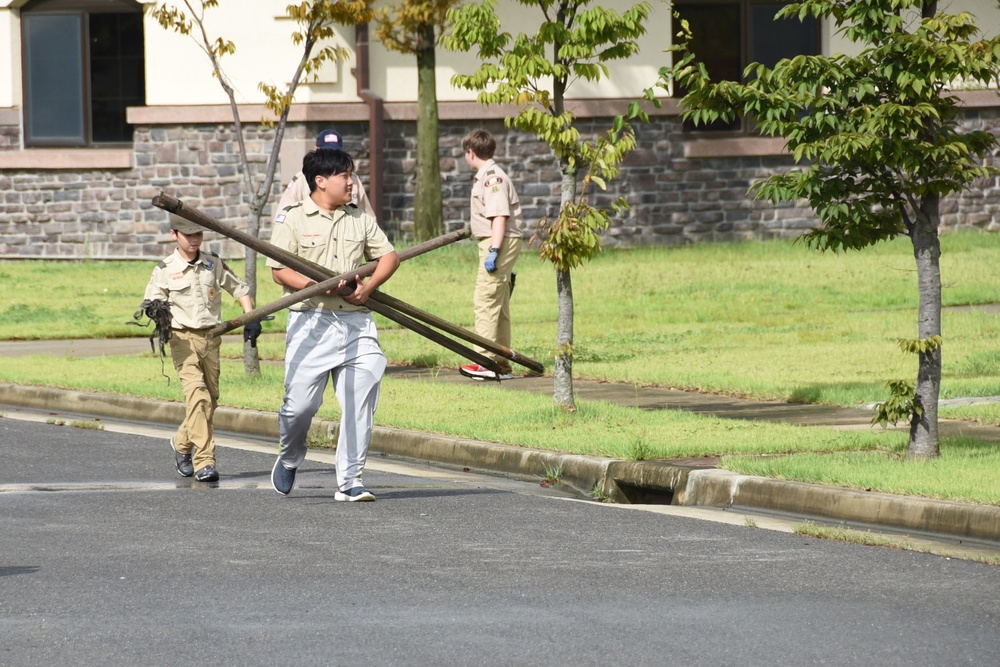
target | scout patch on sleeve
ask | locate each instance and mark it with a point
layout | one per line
(490, 182)
(280, 218)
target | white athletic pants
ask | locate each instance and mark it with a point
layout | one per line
(321, 344)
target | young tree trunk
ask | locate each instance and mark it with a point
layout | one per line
(562, 386)
(927, 253)
(251, 357)
(427, 199)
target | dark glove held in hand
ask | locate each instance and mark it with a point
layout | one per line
(158, 312)
(251, 331)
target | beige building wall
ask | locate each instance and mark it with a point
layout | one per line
(394, 78)
(178, 72)
(10, 57)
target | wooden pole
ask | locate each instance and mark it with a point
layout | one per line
(455, 330)
(315, 272)
(305, 267)
(331, 284)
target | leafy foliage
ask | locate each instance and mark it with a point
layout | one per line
(920, 345)
(315, 21)
(877, 130)
(573, 238)
(902, 402)
(878, 138)
(900, 405)
(519, 70)
(402, 27)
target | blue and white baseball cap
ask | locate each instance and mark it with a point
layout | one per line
(329, 139)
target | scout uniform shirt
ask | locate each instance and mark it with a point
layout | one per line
(194, 290)
(492, 195)
(340, 241)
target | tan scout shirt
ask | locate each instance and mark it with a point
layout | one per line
(194, 291)
(340, 241)
(298, 190)
(492, 195)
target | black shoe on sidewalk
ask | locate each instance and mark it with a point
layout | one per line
(181, 461)
(207, 474)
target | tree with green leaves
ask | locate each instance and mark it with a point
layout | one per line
(879, 138)
(315, 20)
(413, 27)
(573, 42)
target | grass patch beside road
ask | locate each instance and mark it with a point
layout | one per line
(765, 320)
(857, 459)
(867, 538)
(966, 470)
(467, 411)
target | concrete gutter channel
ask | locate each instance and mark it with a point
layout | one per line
(686, 483)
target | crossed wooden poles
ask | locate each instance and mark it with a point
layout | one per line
(391, 308)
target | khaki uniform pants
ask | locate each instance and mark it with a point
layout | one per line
(196, 358)
(491, 301)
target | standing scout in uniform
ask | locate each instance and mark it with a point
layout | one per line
(298, 189)
(191, 281)
(330, 337)
(496, 223)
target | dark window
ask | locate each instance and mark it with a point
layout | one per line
(83, 65)
(728, 36)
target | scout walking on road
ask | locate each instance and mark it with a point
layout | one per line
(329, 336)
(190, 282)
(496, 224)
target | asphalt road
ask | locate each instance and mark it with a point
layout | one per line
(107, 557)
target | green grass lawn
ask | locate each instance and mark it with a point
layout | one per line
(764, 320)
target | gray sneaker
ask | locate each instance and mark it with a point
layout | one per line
(358, 494)
(282, 478)
(181, 461)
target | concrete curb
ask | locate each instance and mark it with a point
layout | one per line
(722, 488)
(619, 481)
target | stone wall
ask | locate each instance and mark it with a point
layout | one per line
(108, 214)
(675, 199)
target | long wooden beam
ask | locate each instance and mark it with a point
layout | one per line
(464, 334)
(315, 272)
(331, 284)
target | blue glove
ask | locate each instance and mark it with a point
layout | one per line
(491, 261)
